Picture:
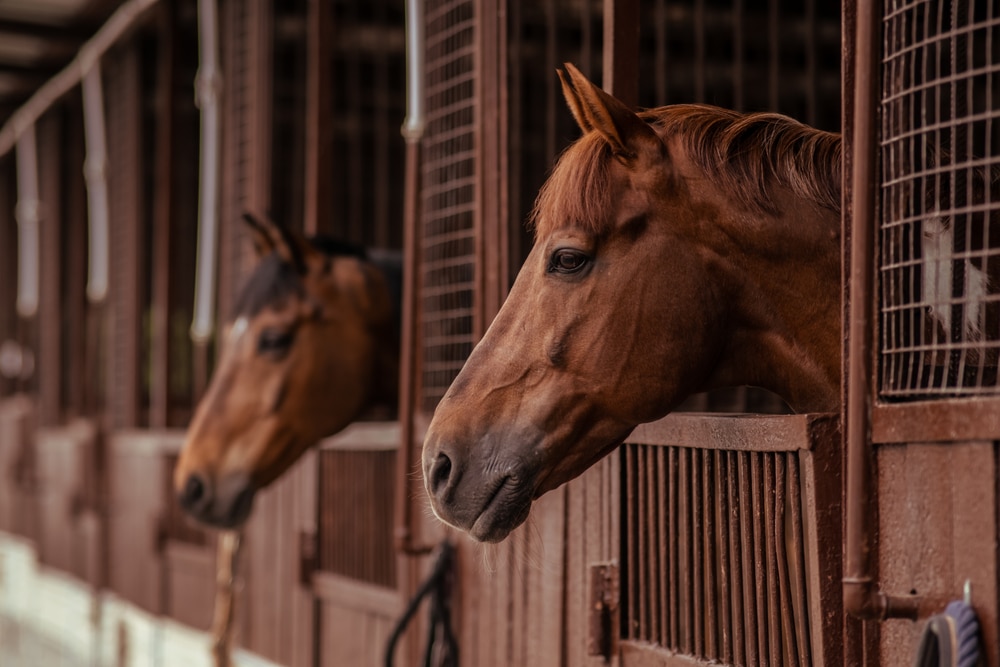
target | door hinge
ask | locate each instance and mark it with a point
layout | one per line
(308, 556)
(602, 636)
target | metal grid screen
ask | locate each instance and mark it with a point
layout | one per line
(356, 500)
(939, 240)
(448, 171)
(715, 562)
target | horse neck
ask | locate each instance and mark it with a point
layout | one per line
(781, 274)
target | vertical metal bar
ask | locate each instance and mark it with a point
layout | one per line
(319, 109)
(95, 172)
(738, 73)
(698, 18)
(697, 555)
(653, 484)
(771, 564)
(759, 553)
(685, 574)
(774, 54)
(736, 560)
(634, 564)
(861, 595)
(786, 607)
(27, 215)
(663, 521)
(643, 548)
(621, 50)
(723, 505)
(709, 532)
(412, 130)
(163, 215)
(747, 548)
(797, 571)
(673, 530)
(208, 83)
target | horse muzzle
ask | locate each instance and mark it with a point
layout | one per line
(226, 503)
(487, 499)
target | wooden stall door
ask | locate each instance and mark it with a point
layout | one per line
(67, 461)
(161, 562)
(353, 572)
(730, 543)
(18, 500)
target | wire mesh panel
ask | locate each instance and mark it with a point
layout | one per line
(778, 55)
(448, 170)
(356, 501)
(715, 560)
(939, 236)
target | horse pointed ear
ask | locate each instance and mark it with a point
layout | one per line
(269, 236)
(594, 109)
(262, 243)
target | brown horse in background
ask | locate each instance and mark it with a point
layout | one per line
(314, 343)
(677, 250)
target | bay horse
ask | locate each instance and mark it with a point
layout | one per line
(313, 344)
(676, 250)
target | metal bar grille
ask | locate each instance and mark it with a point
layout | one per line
(448, 170)
(939, 256)
(355, 515)
(715, 563)
(750, 56)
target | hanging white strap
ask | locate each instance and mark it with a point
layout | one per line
(207, 91)
(26, 214)
(95, 173)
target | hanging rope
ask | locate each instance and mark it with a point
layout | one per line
(225, 578)
(442, 648)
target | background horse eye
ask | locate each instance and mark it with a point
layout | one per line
(568, 261)
(275, 342)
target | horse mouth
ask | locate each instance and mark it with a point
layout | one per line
(505, 510)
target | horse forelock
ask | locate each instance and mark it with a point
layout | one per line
(745, 154)
(577, 192)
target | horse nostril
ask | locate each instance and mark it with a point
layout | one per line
(440, 472)
(194, 492)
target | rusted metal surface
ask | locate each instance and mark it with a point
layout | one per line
(938, 528)
(939, 99)
(123, 337)
(729, 556)
(448, 189)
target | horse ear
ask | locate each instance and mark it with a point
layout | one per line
(269, 236)
(595, 109)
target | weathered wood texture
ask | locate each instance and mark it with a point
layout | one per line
(937, 508)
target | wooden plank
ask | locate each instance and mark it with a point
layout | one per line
(643, 654)
(944, 420)
(937, 529)
(735, 432)
(357, 595)
(49, 355)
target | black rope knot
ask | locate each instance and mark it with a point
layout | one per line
(442, 648)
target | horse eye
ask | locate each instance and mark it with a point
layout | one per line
(275, 341)
(567, 261)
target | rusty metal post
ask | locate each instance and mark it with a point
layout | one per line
(862, 595)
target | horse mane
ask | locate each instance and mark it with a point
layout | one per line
(745, 154)
(275, 279)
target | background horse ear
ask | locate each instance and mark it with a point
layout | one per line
(595, 109)
(269, 236)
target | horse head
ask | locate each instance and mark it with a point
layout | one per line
(648, 281)
(313, 343)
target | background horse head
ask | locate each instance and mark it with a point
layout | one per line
(676, 250)
(313, 343)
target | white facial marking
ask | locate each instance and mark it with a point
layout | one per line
(238, 329)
